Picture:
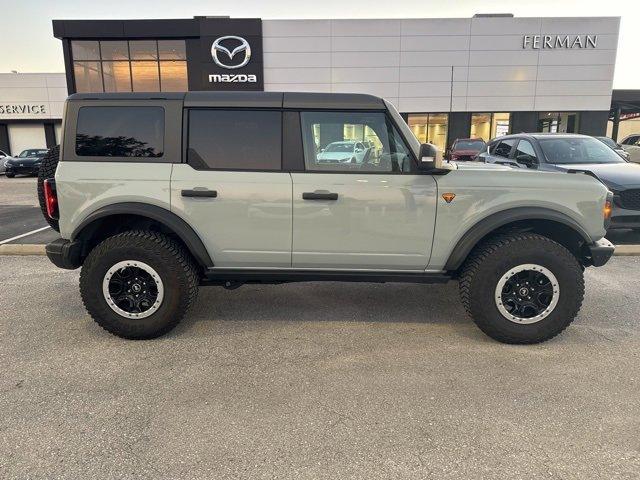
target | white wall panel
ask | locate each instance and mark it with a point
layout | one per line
(411, 60)
(365, 44)
(301, 44)
(436, 26)
(24, 91)
(365, 74)
(297, 75)
(430, 43)
(26, 135)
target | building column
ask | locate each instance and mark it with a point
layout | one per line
(523, 122)
(616, 124)
(593, 123)
(459, 126)
(5, 146)
(50, 134)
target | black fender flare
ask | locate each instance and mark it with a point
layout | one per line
(499, 219)
(169, 219)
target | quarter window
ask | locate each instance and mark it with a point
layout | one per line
(353, 141)
(235, 139)
(504, 148)
(120, 132)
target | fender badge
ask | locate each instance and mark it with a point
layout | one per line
(448, 197)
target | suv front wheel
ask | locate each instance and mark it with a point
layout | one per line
(522, 288)
(138, 284)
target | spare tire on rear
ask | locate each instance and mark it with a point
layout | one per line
(48, 170)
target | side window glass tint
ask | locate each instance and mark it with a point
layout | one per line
(120, 132)
(525, 149)
(235, 139)
(504, 148)
(352, 141)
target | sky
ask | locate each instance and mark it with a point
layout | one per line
(27, 43)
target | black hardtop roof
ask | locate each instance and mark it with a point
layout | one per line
(250, 99)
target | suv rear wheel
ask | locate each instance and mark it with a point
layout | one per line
(138, 284)
(522, 288)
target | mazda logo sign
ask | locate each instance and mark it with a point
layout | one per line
(218, 47)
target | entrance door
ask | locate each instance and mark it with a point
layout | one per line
(351, 213)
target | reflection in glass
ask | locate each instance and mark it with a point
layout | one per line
(85, 50)
(145, 76)
(114, 50)
(173, 76)
(143, 49)
(172, 50)
(430, 128)
(117, 77)
(88, 77)
(489, 125)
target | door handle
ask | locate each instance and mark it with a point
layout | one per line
(200, 193)
(319, 195)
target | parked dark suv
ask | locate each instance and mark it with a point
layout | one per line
(575, 153)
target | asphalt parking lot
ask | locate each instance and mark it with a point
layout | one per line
(316, 381)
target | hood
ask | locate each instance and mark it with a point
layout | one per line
(334, 155)
(616, 176)
(25, 161)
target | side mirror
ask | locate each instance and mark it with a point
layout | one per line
(429, 158)
(526, 160)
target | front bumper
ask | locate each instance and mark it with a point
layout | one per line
(64, 253)
(600, 252)
(26, 170)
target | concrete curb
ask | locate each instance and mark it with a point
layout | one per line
(21, 249)
(26, 249)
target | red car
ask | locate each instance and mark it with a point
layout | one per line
(465, 149)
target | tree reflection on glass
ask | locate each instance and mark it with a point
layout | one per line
(121, 146)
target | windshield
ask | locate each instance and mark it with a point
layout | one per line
(31, 153)
(577, 150)
(469, 145)
(339, 147)
(608, 141)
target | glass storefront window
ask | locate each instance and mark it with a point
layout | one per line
(489, 125)
(114, 50)
(85, 50)
(558, 122)
(88, 76)
(172, 50)
(173, 76)
(130, 65)
(117, 76)
(145, 77)
(430, 128)
(143, 49)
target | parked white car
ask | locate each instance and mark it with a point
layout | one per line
(631, 145)
(342, 152)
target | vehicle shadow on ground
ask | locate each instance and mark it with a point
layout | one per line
(331, 302)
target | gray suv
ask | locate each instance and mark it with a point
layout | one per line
(157, 194)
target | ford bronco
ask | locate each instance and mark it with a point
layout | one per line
(157, 194)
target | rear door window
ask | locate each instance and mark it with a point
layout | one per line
(120, 132)
(503, 149)
(235, 139)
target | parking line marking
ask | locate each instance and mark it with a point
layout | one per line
(23, 235)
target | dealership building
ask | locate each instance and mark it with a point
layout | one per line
(450, 78)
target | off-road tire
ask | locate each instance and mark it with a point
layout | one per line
(495, 257)
(169, 259)
(48, 170)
